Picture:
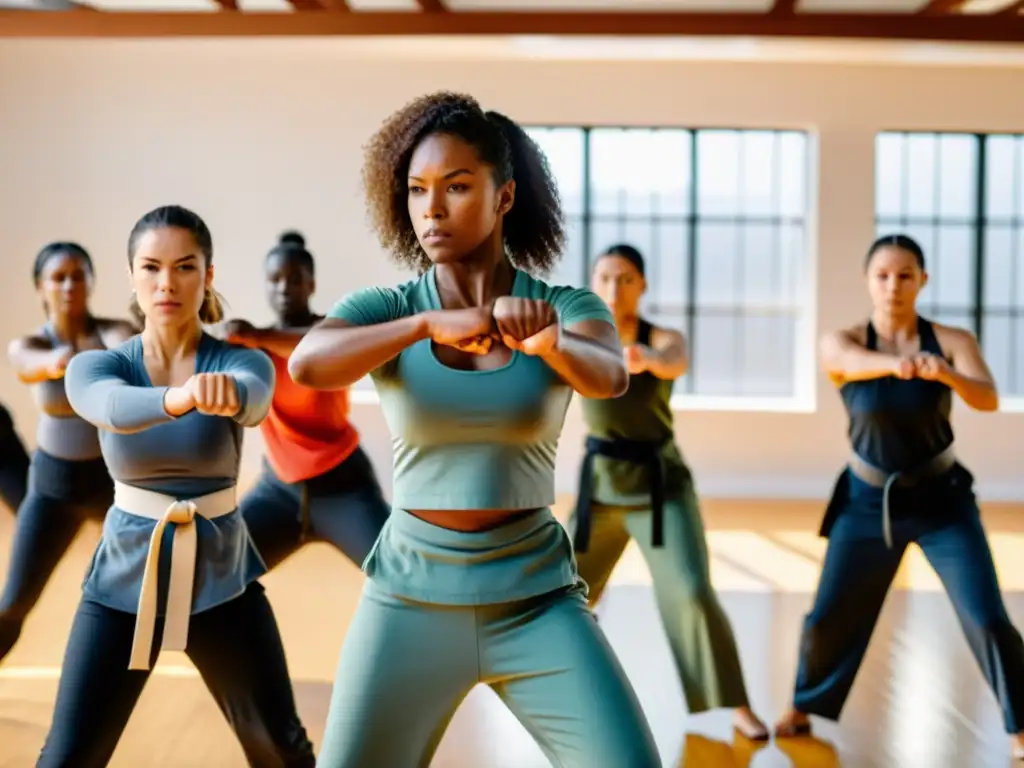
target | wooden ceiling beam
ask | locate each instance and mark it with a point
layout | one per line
(228, 5)
(432, 6)
(318, 5)
(942, 7)
(783, 8)
(961, 27)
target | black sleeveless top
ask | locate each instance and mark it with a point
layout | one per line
(642, 413)
(897, 424)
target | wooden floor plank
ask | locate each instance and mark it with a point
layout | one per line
(919, 700)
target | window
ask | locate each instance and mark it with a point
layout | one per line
(720, 216)
(961, 196)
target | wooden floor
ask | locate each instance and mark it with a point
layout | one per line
(919, 702)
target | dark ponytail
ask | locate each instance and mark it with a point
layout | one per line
(176, 217)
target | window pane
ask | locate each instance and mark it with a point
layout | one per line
(793, 256)
(955, 267)
(1000, 169)
(636, 171)
(997, 331)
(1018, 267)
(564, 150)
(890, 174)
(717, 264)
(718, 173)
(605, 232)
(759, 173)
(760, 261)
(922, 155)
(769, 363)
(957, 171)
(1000, 280)
(667, 276)
(1015, 383)
(572, 269)
(793, 168)
(749, 355)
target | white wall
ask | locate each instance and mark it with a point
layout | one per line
(259, 136)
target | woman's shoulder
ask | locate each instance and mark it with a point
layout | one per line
(219, 354)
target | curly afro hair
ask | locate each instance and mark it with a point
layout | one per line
(534, 230)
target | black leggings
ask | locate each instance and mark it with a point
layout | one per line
(62, 496)
(237, 649)
(13, 463)
(344, 507)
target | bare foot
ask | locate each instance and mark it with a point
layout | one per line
(793, 723)
(747, 723)
(1017, 743)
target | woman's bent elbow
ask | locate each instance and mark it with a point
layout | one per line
(300, 368)
(615, 385)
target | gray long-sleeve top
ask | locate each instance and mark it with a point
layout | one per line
(185, 457)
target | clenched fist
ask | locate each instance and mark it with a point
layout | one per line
(930, 367)
(214, 394)
(468, 329)
(529, 325)
(904, 368)
(636, 358)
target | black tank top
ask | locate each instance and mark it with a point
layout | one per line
(898, 424)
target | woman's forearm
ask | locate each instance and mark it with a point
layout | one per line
(979, 394)
(588, 366)
(278, 342)
(35, 365)
(845, 359)
(334, 355)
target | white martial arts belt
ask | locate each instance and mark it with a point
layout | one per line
(167, 509)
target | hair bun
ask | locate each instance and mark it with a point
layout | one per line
(291, 237)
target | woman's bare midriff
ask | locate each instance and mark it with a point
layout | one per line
(469, 520)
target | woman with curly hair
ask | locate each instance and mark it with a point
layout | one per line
(472, 579)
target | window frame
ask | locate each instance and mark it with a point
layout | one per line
(978, 224)
(803, 397)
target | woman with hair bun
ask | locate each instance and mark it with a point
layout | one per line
(317, 483)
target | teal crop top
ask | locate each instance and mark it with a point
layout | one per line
(470, 439)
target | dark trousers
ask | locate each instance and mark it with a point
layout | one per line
(343, 507)
(237, 650)
(856, 577)
(62, 495)
(14, 463)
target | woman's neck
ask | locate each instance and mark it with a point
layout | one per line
(895, 327)
(475, 281)
(69, 327)
(628, 325)
(302, 318)
(168, 343)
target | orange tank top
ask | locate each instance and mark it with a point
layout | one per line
(307, 431)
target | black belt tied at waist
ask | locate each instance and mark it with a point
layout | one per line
(645, 452)
(880, 478)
